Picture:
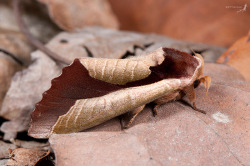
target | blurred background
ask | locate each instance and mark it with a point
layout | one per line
(213, 22)
(222, 24)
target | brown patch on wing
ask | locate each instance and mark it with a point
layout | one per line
(176, 64)
(74, 83)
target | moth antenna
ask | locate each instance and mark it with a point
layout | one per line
(192, 51)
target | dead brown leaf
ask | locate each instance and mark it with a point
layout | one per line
(14, 48)
(29, 157)
(3, 161)
(14, 44)
(108, 43)
(75, 14)
(35, 18)
(215, 22)
(31, 144)
(19, 124)
(238, 56)
(8, 68)
(4, 153)
(27, 86)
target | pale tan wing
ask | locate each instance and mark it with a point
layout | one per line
(122, 71)
(116, 71)
(87, 113)
(153, 58)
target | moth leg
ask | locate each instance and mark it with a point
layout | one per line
(154, 110)
(206, 80)
(189, 91)
(164, 99)
(134, 113)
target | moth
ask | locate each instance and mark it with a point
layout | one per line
(92, 90)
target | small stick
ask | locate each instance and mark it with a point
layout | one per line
(32, 39)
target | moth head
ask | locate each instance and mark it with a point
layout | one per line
(206, 80)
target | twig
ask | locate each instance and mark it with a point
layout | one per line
(32, 39)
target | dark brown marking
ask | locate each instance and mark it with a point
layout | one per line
(11, 56)
(88, 52)
(64, 41)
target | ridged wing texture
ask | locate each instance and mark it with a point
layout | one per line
(116, 71)
(74, 83)
(86, 113)
(81, 97)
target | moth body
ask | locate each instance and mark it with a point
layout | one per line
(91, 91)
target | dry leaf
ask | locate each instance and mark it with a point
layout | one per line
(4, 153)
(27, 157)
(14, 44)
(76, 14)
(31, 144)
(107, 43)
(8, 68)
(34, 16)
(238, 56)
(24, 89)
(3, 161)
(19, 124)
(100, 42)
(176, 136)
(14, 55)
(214, 22)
